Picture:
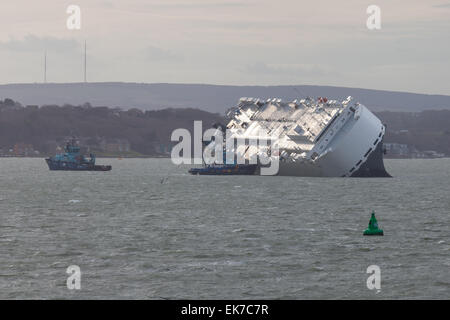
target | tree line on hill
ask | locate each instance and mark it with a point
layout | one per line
(49, 126)
(148, 132)
(426, 130)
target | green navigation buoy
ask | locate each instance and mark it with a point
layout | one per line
(373, 229)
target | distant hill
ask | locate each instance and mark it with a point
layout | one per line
(212, 98)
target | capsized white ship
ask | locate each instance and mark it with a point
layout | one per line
(323, 138)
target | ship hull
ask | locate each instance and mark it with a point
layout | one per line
(355, 151)
(372, 168)
(69, 166)
(309, 138)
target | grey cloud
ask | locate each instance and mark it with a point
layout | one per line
(206, 4)
(107, 4)
(183, 6)
(153, 53)
(442, 5)
(294, 69)
(33, 43)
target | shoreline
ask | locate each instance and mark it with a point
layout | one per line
(97, 157)
(168, 157)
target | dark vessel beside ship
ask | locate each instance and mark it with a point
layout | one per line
(224, 170)
(73, 160)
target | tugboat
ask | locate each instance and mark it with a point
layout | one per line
(73, 160)
(226, 169)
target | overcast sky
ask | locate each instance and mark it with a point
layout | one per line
(238, 42)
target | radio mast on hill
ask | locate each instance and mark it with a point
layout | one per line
(45, 66)
(85, 77)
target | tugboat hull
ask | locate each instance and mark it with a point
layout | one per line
(225, 170)
(71, 166)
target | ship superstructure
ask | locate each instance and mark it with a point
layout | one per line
(315, 137)
(73, 160)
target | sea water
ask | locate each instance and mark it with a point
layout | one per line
(149, 230)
